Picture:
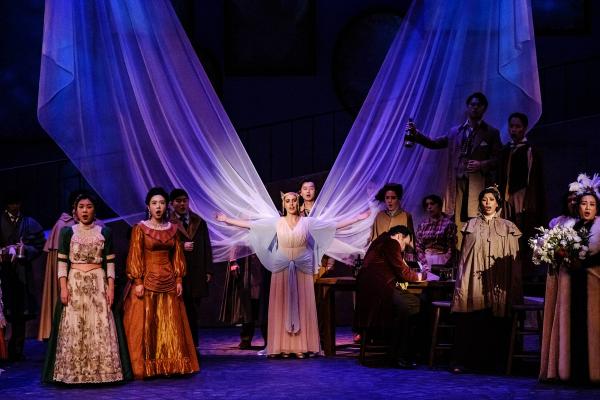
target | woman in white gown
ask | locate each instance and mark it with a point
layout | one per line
(288, 246)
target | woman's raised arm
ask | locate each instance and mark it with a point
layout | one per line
(350, 221)
(230, 221)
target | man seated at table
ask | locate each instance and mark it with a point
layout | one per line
(383, 300)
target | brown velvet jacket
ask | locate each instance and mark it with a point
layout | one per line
(383, 267)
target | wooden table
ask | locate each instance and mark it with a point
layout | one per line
(326, 288)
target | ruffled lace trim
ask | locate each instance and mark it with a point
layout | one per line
(87, 236)
(165, 227)
(162, 235)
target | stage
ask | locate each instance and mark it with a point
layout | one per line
(230, 373)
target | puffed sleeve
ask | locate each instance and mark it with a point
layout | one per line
(135, 258)
(64, 244)
(108, 253)
(178, 260)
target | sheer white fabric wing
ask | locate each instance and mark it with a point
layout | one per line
(263, 241)
(124, 95)
(441, 54)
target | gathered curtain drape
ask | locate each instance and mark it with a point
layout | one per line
(125, 96)
(443, 51)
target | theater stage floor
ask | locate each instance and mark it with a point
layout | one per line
(228, 373)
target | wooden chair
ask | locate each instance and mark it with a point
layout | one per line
(439, 323)
(372, 341)
(519, 331)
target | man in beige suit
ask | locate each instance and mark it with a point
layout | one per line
(474, 149)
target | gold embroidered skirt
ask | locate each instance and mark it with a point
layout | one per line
(87, 348)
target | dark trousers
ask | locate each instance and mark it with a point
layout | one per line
(17, 340)
(263, 302)
(248, 328)
(481, 340)
(18, 306)
(406, 316)
(192, 309)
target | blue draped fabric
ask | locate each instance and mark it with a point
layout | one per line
(124, 95)
(444, 51)
(263, 237)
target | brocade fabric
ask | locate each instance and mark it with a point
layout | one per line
(88, 350)
(85, 343)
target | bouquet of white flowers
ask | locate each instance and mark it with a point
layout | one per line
(559, 245)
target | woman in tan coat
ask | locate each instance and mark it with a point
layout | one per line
(487, 284)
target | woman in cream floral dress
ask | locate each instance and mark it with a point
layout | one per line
(86, 344)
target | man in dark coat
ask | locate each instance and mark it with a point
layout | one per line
(22, 240)
(244, 298)
(520, 177)
(521, 182)
(383, 300)
(193, 233)
(474, 149)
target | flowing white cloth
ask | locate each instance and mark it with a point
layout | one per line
(301, 250)
(443, 52)
(124, 95)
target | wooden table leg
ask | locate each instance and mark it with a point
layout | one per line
(327, 311)
(331, 311)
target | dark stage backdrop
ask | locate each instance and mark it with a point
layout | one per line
(274, 112)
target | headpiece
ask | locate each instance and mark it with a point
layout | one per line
(586, 185)
(494, 188)
(495, 192)
(285, 194)
(296, 195)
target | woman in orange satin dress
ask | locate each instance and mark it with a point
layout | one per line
(156, 325)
